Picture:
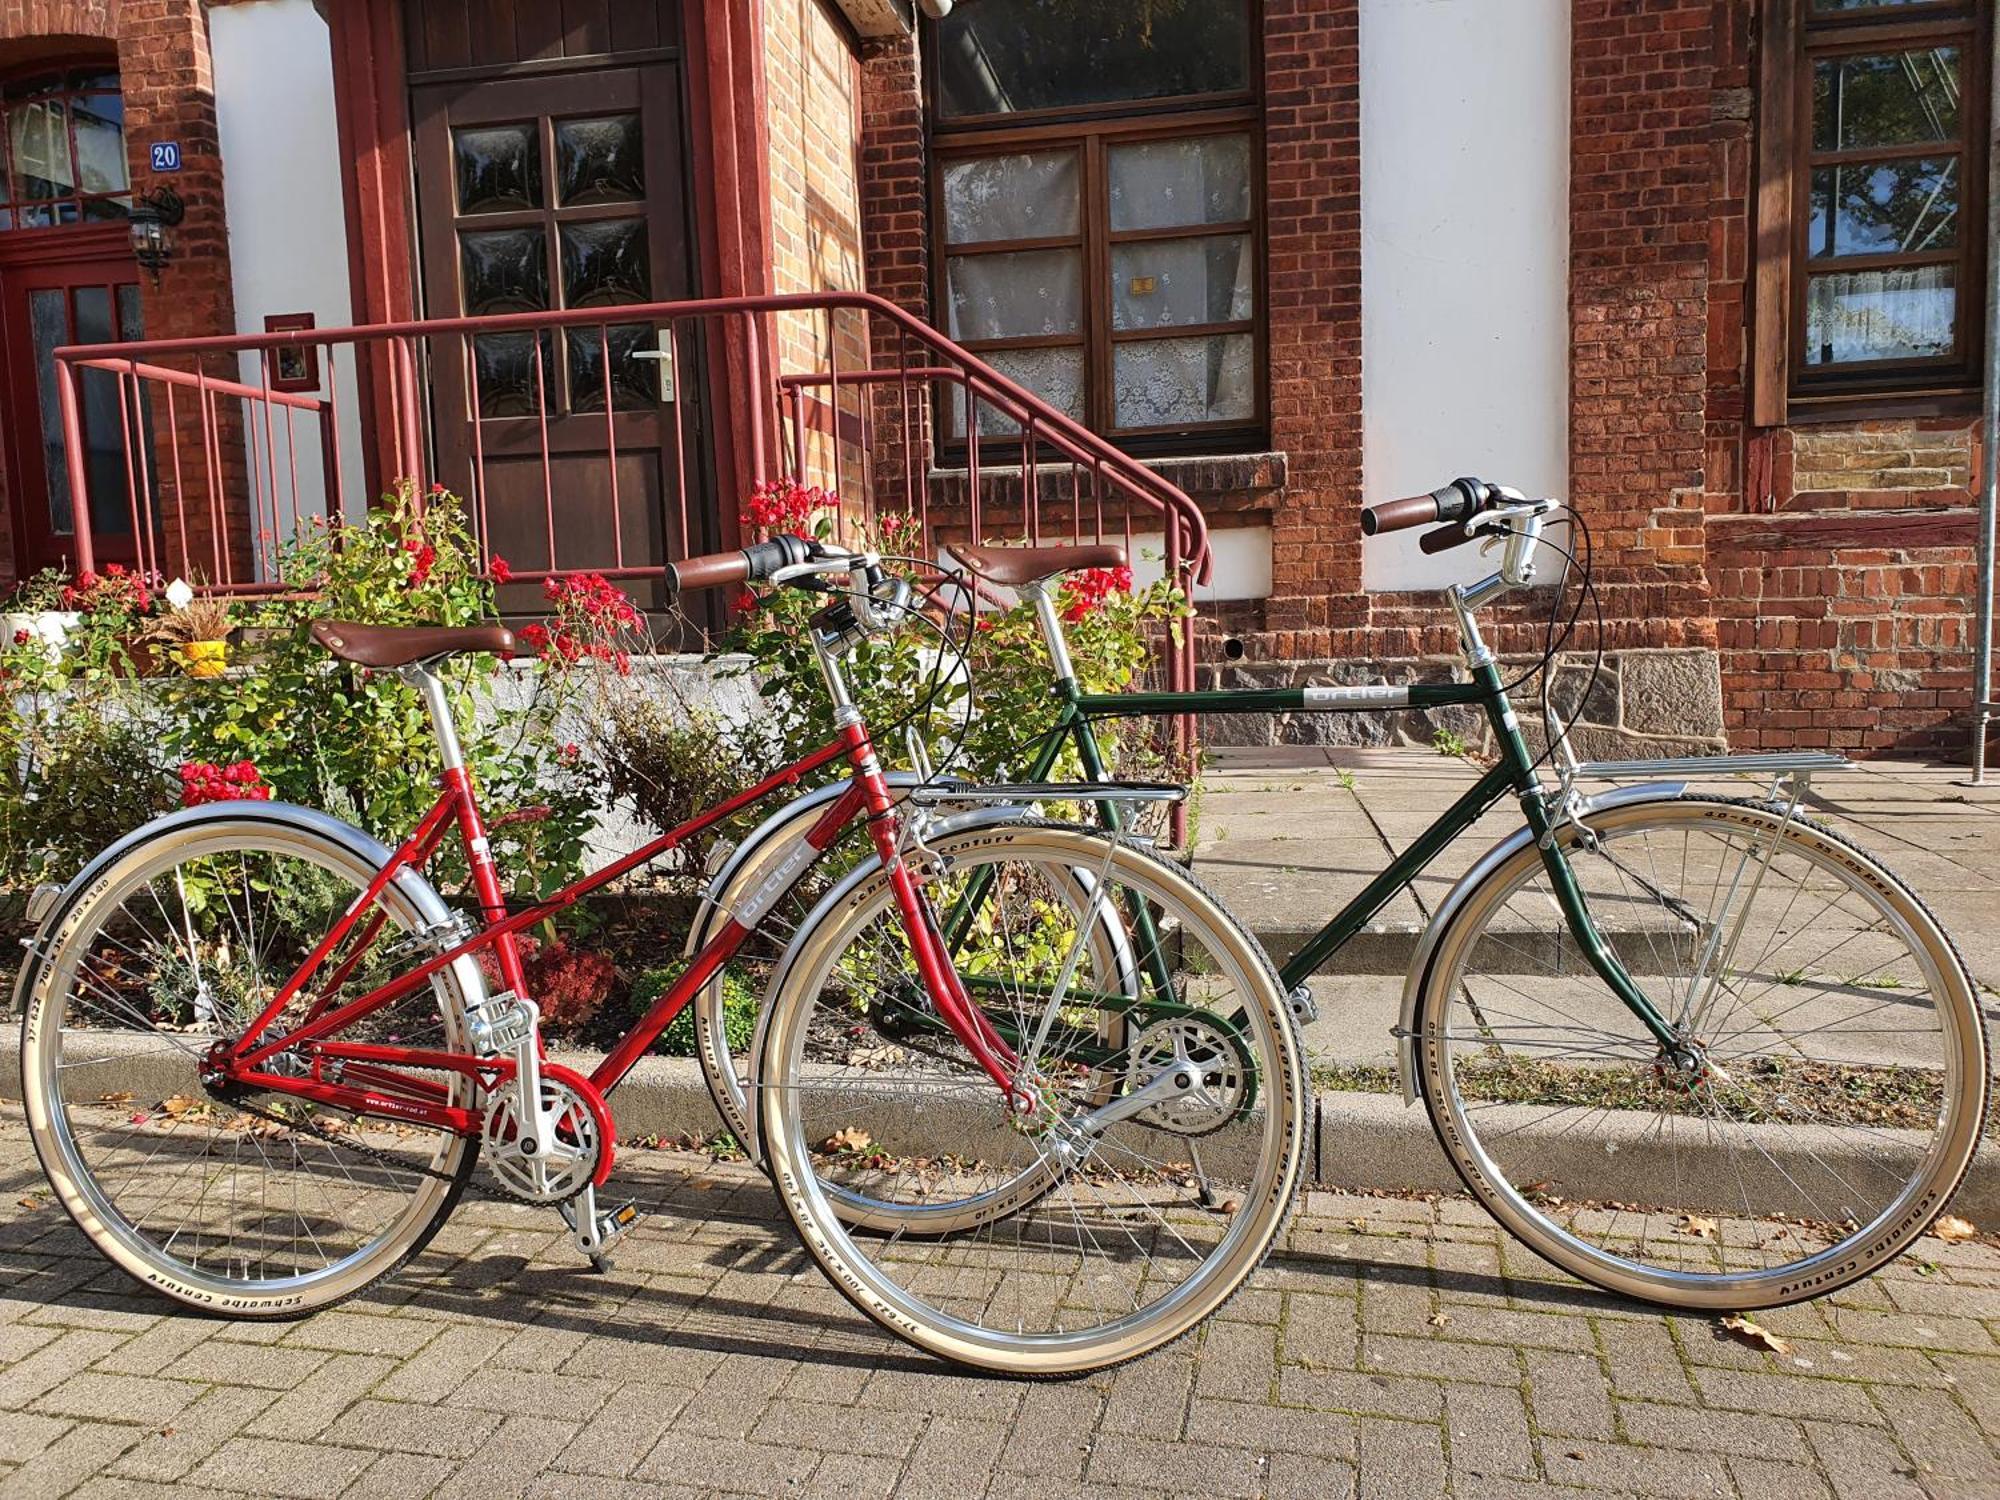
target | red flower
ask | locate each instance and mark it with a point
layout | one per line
(1086, 591)
(203, 781)
(570, 752)
(745, 602)
(21, 637)
(778, 504)
(501, 572)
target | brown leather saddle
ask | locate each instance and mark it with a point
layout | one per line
(400, 645)
(1014, 566)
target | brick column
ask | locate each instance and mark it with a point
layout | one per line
(1312, 134)
(895, 239)
(1641, 193)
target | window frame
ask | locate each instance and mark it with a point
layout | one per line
(1091, 131)
(1784, 386)
(62, 69)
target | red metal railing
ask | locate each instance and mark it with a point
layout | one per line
(225, 444)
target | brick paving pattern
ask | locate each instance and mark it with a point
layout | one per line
(1392, 1348)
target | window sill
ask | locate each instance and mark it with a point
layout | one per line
(1224, 481)
(1806, 411)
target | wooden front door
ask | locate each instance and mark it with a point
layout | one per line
(563, 190)
(49, 301)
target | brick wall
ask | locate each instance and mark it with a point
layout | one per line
(1640, 205)
(1702, 583)
(1312, 146)
(1839, 552)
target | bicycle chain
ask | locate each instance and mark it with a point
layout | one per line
(362, 1148)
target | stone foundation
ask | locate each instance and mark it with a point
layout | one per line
(1643, 703)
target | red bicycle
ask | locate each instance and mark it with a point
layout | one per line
(262, 1054)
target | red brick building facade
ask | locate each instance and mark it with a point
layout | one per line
(1764, 399)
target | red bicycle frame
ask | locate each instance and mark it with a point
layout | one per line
(370, 1079)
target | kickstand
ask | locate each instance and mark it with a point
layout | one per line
(1204, 1194)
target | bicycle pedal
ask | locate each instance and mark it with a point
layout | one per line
(595, 1233)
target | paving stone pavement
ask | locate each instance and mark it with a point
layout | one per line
(1391, 1348)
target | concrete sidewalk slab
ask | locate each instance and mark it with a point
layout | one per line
(1285, 838)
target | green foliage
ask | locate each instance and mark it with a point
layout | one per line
(95, 753)
(1113, 636)
(1449, 742)
(739, 1011)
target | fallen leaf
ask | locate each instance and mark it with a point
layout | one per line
(1439, 1320)
(1953, 1230)
(1359, 1226)
(1755, 1334)
(853, 1138)
(1697, 1226)
(29, 1202)
(122, 1096)
(875, 1057)
(1231, 1205)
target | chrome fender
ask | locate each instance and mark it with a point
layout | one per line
(420, 893)
(774, 832)
(941, 828)
(1455, 899)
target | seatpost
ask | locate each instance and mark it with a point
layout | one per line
(1043, 597)
(428, 684)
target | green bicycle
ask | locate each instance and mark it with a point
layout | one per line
(1765, 1024)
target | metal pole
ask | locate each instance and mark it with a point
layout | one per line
(1983, 706)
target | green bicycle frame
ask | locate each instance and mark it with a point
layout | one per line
(1514, 772)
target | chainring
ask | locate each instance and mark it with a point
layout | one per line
(1208, 1044)
(578, 1157)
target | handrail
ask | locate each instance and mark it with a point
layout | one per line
(1115, 460)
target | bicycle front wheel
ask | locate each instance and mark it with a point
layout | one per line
(1095, 1227)
(258, 1205)
(1821, 1101)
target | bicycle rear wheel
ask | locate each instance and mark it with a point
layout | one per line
(175, 945)
(1822, 1101)
(1084, 1235)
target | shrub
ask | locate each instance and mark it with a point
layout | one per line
(739, 1011)
(89, 755)
(909, 679)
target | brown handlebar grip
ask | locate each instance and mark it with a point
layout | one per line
(709, 572)
(1443, 539)
(1399, 515)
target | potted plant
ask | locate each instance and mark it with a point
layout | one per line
(196, 633)
(37, 611)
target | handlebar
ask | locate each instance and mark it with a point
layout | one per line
(1458, 501)
(751, 564)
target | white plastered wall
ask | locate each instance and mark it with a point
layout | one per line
(1464, 260)
(274, 110)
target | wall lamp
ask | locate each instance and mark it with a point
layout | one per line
(153, 214)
